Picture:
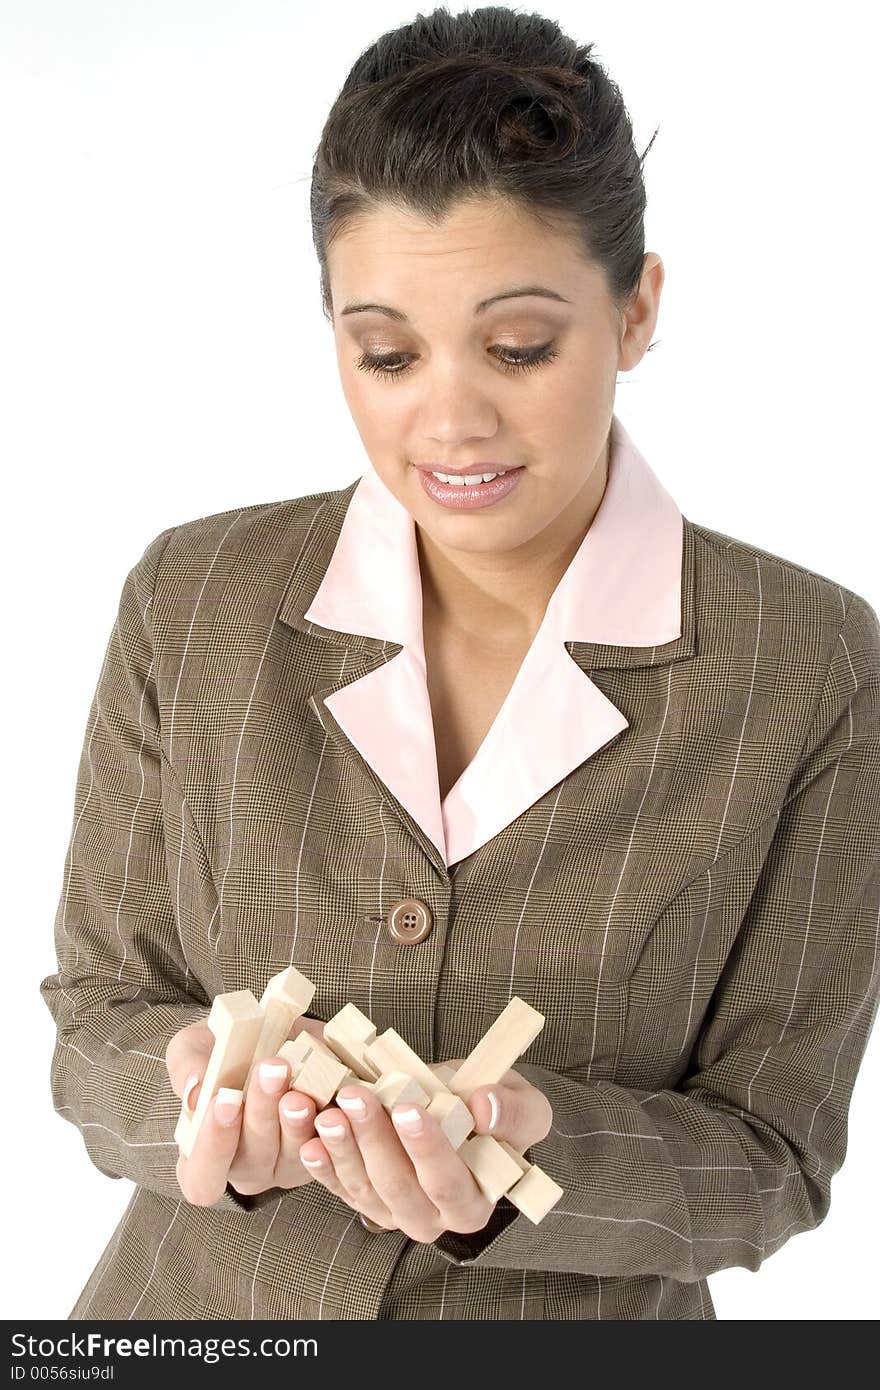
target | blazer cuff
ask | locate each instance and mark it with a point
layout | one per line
(237, 1201)
(466, 1247)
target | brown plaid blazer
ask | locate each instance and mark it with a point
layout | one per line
(720, 857)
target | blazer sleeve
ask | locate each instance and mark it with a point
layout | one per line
(123, 989)
(726, 1167)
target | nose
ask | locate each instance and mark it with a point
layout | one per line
(455, 413)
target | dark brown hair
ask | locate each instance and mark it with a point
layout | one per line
(484, 103)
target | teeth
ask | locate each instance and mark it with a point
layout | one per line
(466, 479)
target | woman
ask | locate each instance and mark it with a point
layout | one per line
(587, 751)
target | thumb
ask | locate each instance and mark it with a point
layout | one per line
(186, 1059)
(520, 1114)
(498, 1110)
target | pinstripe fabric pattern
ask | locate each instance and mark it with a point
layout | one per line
(695, 910)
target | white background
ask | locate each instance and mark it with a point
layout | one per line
(163, 355)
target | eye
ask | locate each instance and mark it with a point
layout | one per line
(509, 359)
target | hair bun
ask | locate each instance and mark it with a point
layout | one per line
(541, 118)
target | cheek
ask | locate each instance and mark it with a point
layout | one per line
(377, 412)
(577, 399)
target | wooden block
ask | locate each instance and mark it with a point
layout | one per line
(513, 1030)
(292, 987)
(348, 1032)
(494, 1170)
(524, 1163)
(350, 1022)
(235, 1020)
(443, 1071)
(395, 1086)
(321, 1076)
(286, 998)
(389, 1052)
(297, 1049)
(453, 1117)
(296, 1062)
(535, 1193)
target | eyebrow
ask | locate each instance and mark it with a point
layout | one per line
(516, 292)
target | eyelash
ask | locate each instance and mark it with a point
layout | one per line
(524, 362)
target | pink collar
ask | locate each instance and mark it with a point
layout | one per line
(623, 587)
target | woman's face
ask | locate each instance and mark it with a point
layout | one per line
(428, 385)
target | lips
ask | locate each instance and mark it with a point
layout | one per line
(473, 470)
(468, 496)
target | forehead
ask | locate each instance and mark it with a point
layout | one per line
(386, 252)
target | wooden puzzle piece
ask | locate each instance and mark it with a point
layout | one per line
(235, 1020)
(396, 1086)
(494, 1169)
(534, 1194)
(348, 1033)
(286, 998)
(513, 1030)
(296, 1060)
(321, 1076)
(443, 1071)
(520, 1159)
(452, 1115)
(297, 1049)
(389, 1052)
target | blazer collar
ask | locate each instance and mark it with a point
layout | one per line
(625, 600)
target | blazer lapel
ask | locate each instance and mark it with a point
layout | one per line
(620, 602)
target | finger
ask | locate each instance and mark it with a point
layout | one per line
(522, 1115)
(318, 1163)
(343, 1152)
(389, 1167)
(260, 1139)
(442, 1175)
(296, 1113)
(203, 1176)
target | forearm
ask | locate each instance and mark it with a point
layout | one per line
(109, 1078)
(655, 1183)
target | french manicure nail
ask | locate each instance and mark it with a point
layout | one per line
(331, 1132)
(291, 1114)
(352, 1105)
(187, 1090)
(227, 1104)
(410, 1121)
(273, 1075)
(495, 1109)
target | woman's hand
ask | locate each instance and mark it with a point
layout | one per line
(414, 1180)
(256, 1150)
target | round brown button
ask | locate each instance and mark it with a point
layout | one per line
(409, 921)
(370, 1225)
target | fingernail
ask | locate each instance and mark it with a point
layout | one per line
(352, 1105)
(312, 1162)
(187, 1090)
(495, 1109)
(290, 1114)
(227, 1105)
(273, 1075)
(331, 1132)
(410, 1121)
